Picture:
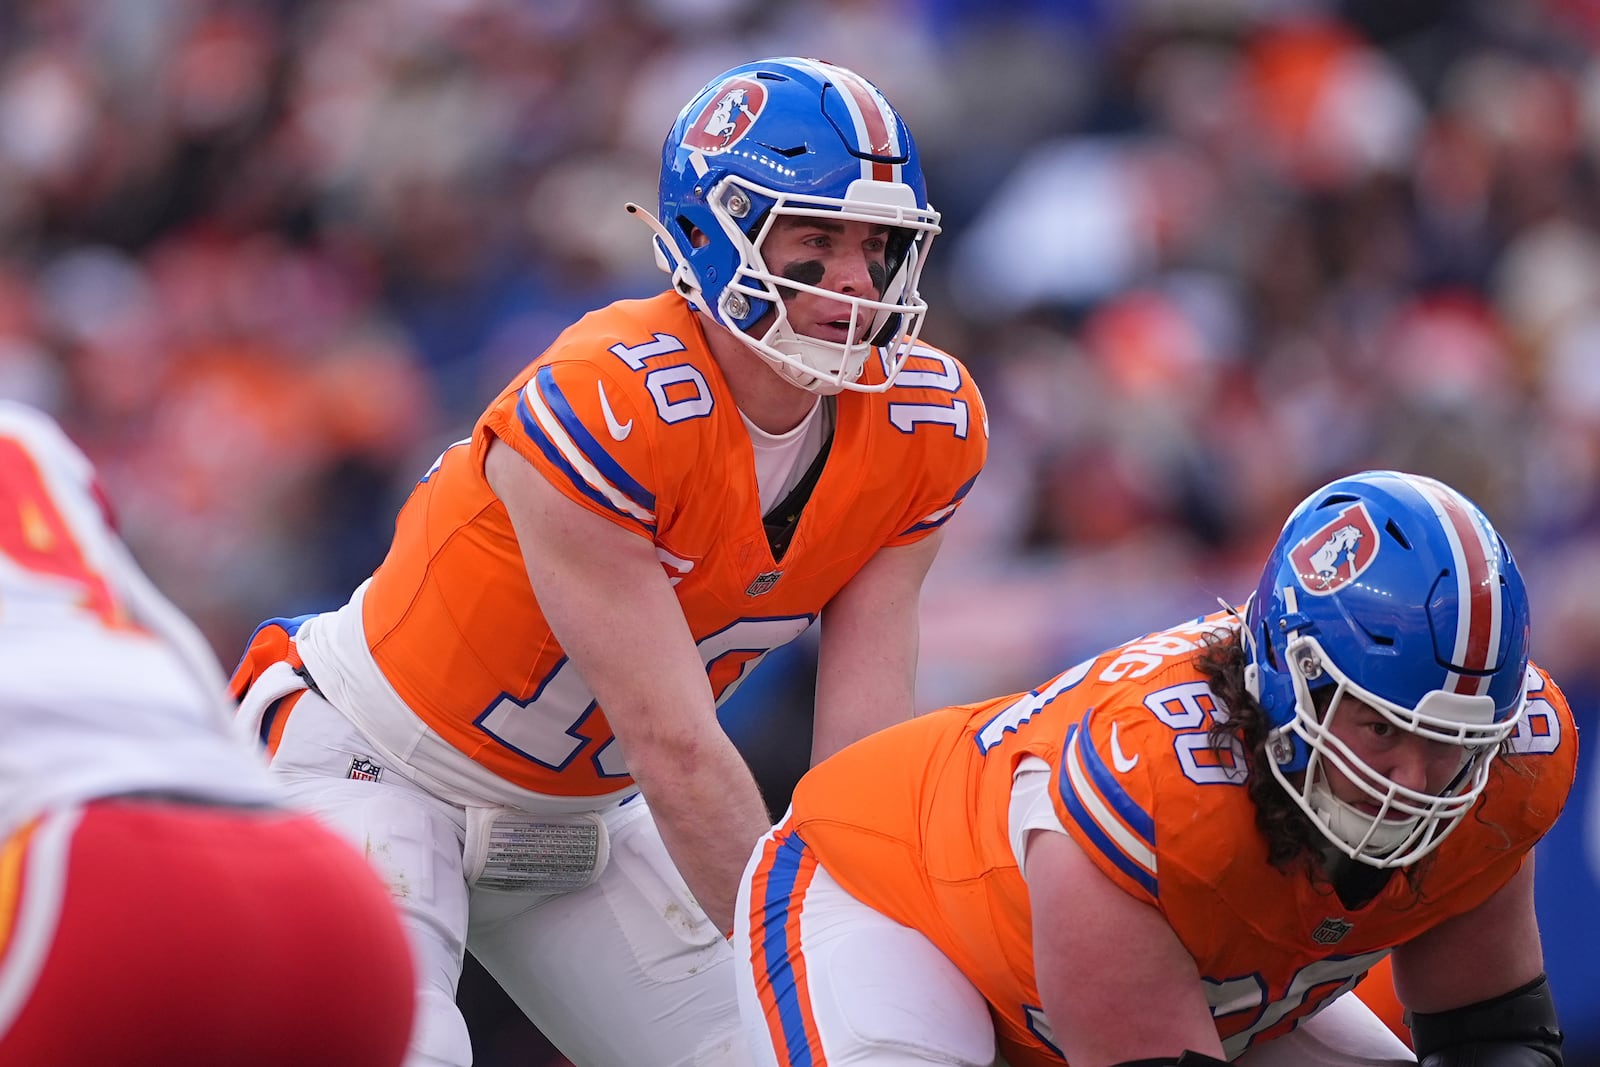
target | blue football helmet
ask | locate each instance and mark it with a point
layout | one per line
(1396, 590)
(800, 137)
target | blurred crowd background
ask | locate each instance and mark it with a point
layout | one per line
(266, 258)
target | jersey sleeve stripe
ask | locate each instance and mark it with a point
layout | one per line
(590, 448)
(1105, 813)
(936, 519)
(777, 895)
(546, 432)
(1107, 785)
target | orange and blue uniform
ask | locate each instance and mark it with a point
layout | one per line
(629, 416)
(914, 822)
(436, 720)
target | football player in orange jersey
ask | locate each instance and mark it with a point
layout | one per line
(516, 715)
(159, 901)
(1190, 848)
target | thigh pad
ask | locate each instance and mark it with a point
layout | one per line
(889, 964)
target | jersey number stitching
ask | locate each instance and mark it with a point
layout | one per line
(730, 655)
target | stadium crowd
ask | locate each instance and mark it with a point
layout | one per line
(264, 258)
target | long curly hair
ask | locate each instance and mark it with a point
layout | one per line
(1292, 840)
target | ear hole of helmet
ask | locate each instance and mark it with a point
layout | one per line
(1269, 651)
(1381, 640)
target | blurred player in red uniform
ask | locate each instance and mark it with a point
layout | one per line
(158, 904)
(516, 716)
(1189, 848)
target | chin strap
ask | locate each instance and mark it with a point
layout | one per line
(1252, 671)
(1188, 1059)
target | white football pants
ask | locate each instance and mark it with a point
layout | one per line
(625, 972)
(883, 994)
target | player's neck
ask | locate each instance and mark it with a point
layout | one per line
(761, 393)
(1356, 883)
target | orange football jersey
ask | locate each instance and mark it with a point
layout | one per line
(914, 822)
(628, 414)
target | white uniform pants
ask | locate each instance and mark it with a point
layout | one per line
(881, 993)
(625, 972)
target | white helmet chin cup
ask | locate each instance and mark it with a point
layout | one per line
(820, 366)
(1360, 833)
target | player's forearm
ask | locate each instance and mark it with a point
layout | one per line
(867, 659)
(1475, 956)
(710, 814)
(853, 707)
(1146, 1000)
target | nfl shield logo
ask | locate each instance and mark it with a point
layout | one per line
(763, 583)
(1331, 931)
(364, 770)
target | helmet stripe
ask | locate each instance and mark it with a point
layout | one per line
(1477, 587)
(876, 129)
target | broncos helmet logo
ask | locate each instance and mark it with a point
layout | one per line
(727, 116)
(1335, 555)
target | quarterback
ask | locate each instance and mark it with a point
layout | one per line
(515, 716)
(1189, 849)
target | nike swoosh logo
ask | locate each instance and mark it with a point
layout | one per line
(1122, 763)
(619, 430)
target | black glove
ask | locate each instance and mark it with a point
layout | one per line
(1515, 1029)
(1500, 1054)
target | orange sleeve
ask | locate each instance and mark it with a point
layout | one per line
(583, 432)
(935, 399)
(1106, 799)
